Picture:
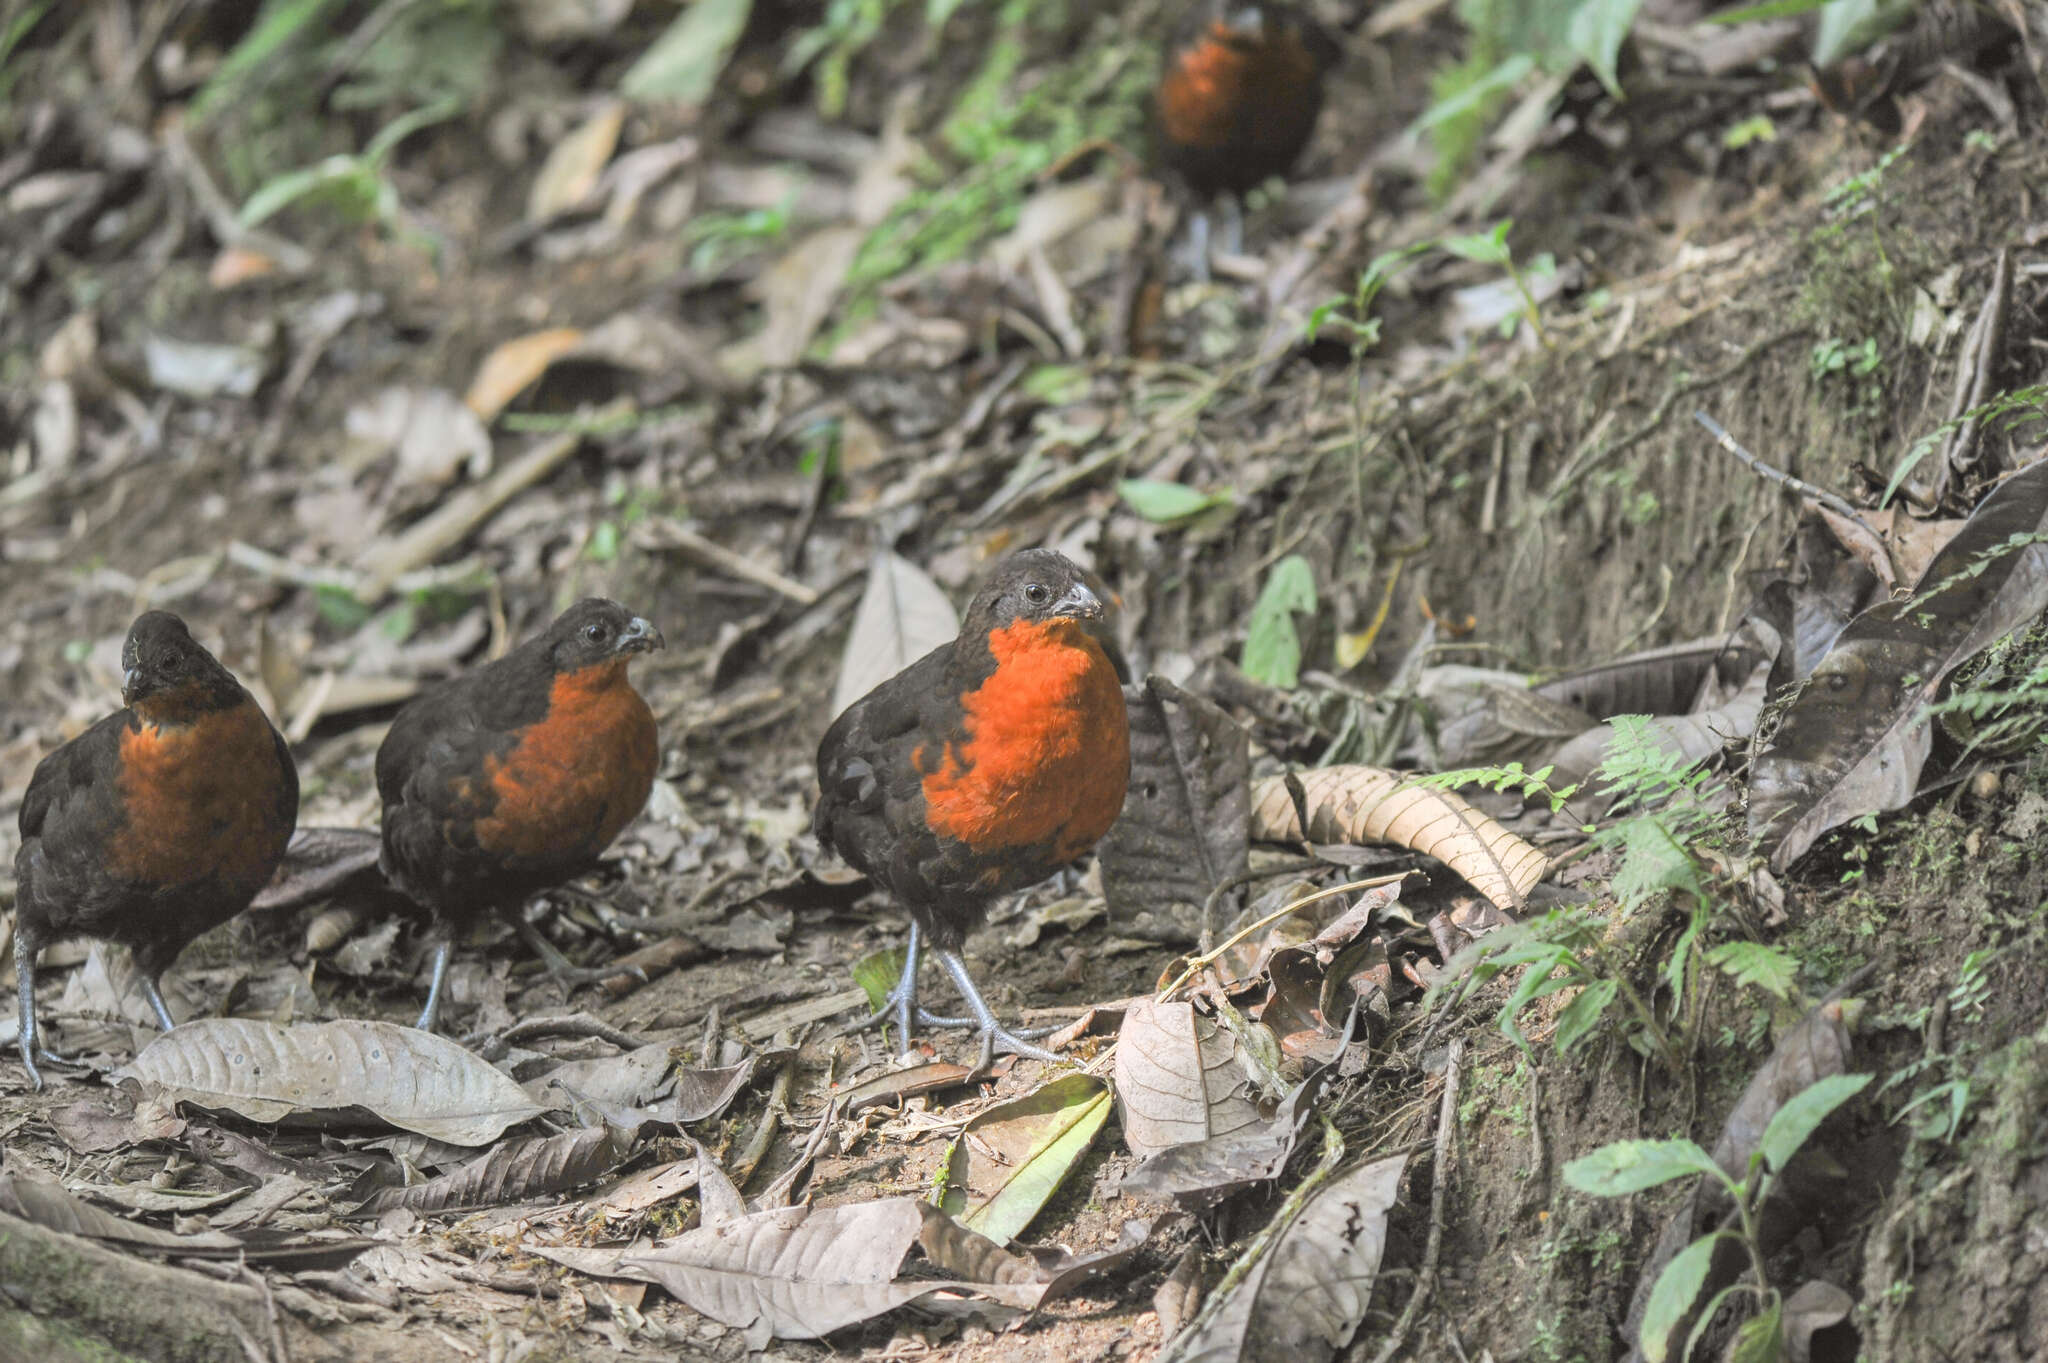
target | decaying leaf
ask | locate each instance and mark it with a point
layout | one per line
(47, 1205)
(1307, 1294)
(1202, 1173)
(1178, 1078)
(511, 1172)
(903, 615)
(797, 293)
(573, 165)
(626, 1080)
(1854, 741)
(113, 1119)
(793, 1273)
(1369, 804)
(1012, 1158)
(410, 1079)
(1024, 1278)
(1182, 830)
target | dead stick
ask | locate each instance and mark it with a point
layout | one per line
(1440, 1178)
(1782, 479)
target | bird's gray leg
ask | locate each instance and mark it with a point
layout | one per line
(155, 994)
(993, 1036)
(432, 1010)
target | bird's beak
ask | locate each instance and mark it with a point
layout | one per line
(640, 636)
(1079, 603)
(128, 679)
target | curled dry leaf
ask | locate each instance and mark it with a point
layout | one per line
(1178, 1078)
(1305, 1296)
(1025, 1278)
(903, 615)
(1012, 1158)
(1855, 740)
(571, 172)
(511, 1172)
(317, 862)
(1355, 804)
(1182, 830)
(48, 1206)
(413, 1080)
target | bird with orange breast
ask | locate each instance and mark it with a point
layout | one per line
(1237, 100)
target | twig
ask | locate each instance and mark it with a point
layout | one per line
(459, 516)
(718, 558)
(1785, 480)
(1198, 963)
(575, 1025)
(1425, 1280)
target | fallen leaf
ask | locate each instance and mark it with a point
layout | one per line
(1353, 804)
(797, 293)
(1855, 740)
(1178, 1078)
(413, 1080)
(1010, 1159)
(433, 432)
(511, 1172)
(573, 165)
(1306, 1295)
(1183, 827)
(1272, 646)
(1202, 1173)
(683, 63)
(902, 616)
(198, 370)
(514, 366)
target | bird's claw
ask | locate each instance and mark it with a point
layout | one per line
(1001, 1041)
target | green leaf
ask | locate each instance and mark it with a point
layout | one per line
(1483, 248)
(604, 542)
(1631, 1166)
(1475, 95)
(1012, 1158)
(1165, 503)
(1791, 1124)
(1771, 9)
(685, 61)
(280, 22)
(1598, 27)
(1272, 648)
(1761, 1338)
(1678, 1287)
(279, 193)
(1768, 968)
(1847, 27)
(1582, 1014)
(877, 975)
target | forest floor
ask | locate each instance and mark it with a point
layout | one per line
(709, 358)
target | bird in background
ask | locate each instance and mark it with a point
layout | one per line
(980, 769)
(1237, 100)
(156, 824)
(512, 778)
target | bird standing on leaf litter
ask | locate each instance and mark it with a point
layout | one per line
(512, 778)
(980, 769)
(158, 823)
(1237, 100)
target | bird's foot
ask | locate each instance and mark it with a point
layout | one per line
(571, 975)
(1001, 1041)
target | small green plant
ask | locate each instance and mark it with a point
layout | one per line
(1354, 317)
(1272, 646)
(1835, 356)
(1627, 1167)
(354, 184)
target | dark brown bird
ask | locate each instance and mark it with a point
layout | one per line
(158, 823)
(1237, 100)
(512, 778)
(982, 768)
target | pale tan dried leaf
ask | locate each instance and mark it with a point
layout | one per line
(1355, 804)
(797, 293)
(571, 171)
(1178, 1078)
(903, 615)
(411, 1079)
(511, 368)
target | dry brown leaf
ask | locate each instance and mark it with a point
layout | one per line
(797, 293)
(571, 172)
(1178, 1078)
(414, 1080)
(510, 1172)
(903, 615)
(511, 368)
(1354, 804)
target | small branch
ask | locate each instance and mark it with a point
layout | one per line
(1440, 1178)
(1785, 480)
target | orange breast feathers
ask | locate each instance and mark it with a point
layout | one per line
(201, 800)
(1047, 747)
(1199, 97)
(578, 776)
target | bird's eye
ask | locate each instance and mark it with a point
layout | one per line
(166, 663)
(1037, 593)
(595, 633)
